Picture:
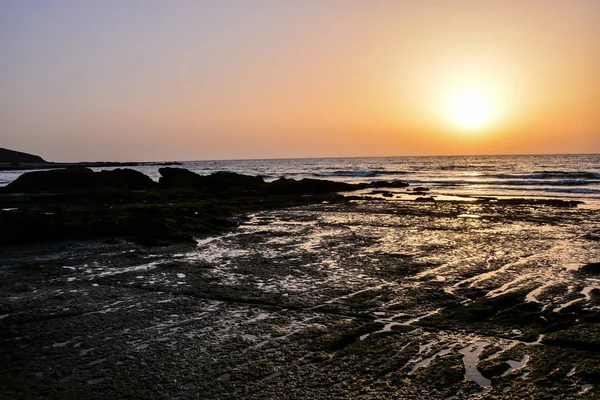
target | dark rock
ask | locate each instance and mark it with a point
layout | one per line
(79, 178)
(583, 337)
(595, 294)
(352, 335)
(508, 308)
(485, 199)
(230, 182)
(384, 193)
(177, 177)
(595, 235)
(591, 268)
(421, 189)
(169, 163)
(51, 181)
(284, 186)
(11, 156)
(217, 182)
(124, 178)
(493, 368)
(388, 184)
(541, 202)
(425, 199)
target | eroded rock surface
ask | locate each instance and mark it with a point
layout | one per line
(371, 299)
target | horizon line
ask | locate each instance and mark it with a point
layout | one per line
(343, 157)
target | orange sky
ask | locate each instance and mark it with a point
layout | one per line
(184, 80)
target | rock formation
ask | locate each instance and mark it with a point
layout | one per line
(11, 156)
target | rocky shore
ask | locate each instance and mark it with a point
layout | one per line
(77, 203)
(225, 286)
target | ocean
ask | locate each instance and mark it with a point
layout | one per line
(550, 176)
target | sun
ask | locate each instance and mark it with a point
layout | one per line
(471, 110)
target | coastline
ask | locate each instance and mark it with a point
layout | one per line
(307, 296)
(58, 165)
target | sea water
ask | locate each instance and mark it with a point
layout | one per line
(556, 176)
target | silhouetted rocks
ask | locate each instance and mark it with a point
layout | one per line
(11, 156)
(387, 184)
(384, 193)
(418, 191)
(591, 268)
(79, 178)
(78, 203)
(583, 336)
(218, 182)
(430, 198)
(124, 178)
(166, 163)
(231, 182)
(284, 186)
(177, 177)
(541, 202)
(11, 160)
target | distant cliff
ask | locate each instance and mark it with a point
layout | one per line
(11, 156)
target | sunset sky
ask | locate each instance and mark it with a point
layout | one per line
(202, 79)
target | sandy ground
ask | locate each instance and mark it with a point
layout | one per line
(373, 299)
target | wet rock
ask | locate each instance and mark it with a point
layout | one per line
(204, 328)
(594, 235)
(384, 193)
(491, 369)
(595, 294)
(170, 163)
(500, 313)
(189, 385)
(442, 377)
(320, 356)
(591, 269)
(224, 377)
(387, 184)
(486, 199)
(582, 337)
(540, 202)
(350, 336)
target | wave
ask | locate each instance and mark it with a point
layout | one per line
(359, 173)
(514, 182)
(467, 167)
(565, 175)
(543, 182)
(559, 190)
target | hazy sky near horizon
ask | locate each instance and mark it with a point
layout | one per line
(225, 79)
